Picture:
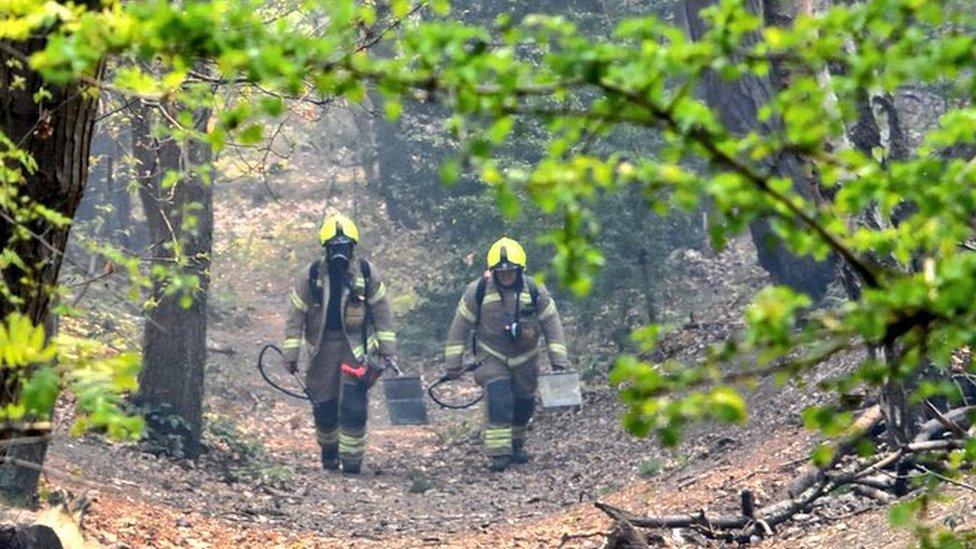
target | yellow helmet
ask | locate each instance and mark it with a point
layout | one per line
(506, 250)
(336, 224)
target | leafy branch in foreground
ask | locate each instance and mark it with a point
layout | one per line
(912, 275)
(896, 216)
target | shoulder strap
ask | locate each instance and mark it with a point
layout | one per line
(364, 269)
(533, 293)
(313, 278)
(479, 297)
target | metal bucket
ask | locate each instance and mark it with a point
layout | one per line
(560, 389)
(405, 400)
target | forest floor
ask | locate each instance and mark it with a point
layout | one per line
(260, 483)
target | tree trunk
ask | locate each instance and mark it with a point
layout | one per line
(391, 165)
(647, 282)
(102, 217)
(180, 222)
(57, 133)
(738, 103)
(120, 217)
(106, 208)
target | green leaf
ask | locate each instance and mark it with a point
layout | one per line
(393, 109)
(40, 391)
(727, 405)
(902, 514)
(822, 454)
(507, 200)
(400, 8)
(450, 171)
(252, 135)
(272, 106)
(170, 179)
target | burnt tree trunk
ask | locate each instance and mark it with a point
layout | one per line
(392, 163)
(737, 103)
(903, 414)
(57, 133)
(648, 286)
(180, 220)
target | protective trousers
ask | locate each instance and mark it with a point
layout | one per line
(339, 401)
(509, 403)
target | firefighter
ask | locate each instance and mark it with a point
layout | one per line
(505, 312)
(339, 307)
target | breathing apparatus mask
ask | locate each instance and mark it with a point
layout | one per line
(338, 252)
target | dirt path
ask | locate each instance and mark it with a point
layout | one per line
(419, 482)
(421, 485)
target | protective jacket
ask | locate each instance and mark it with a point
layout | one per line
(498, 310)
(309, 300)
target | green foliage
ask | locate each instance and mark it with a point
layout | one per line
(95, 375)
(22, 343)
(909, 515)
(653, 408)
(99, 376)
(164, 432)
(39, 392)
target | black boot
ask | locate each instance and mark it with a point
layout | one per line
(330, 459)
(519, 455)
(499, 463)
(351, 467)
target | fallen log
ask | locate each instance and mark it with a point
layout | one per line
(221, 349)
(879, 482)
(672, 521)
(879, 495)
(53, 528)
(765, 518)
(864, 426)
(953, 420)
(748, 501)
(761, 521)
(958, 417)
(932, 445)
(567, 537)
(949, 424)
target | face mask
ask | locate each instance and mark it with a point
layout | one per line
(338, 255)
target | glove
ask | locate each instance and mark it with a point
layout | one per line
(291, 366)
(558, 367)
